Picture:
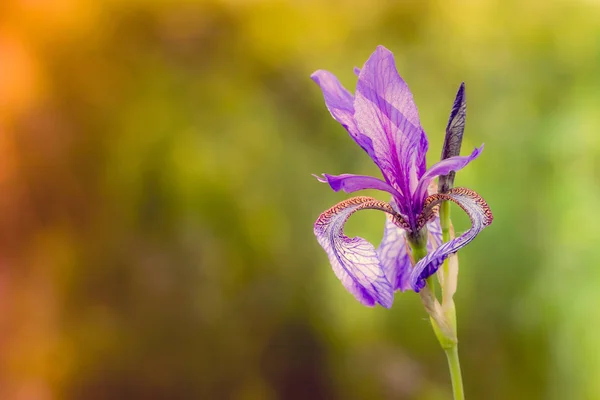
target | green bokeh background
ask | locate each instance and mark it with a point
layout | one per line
(156, 199)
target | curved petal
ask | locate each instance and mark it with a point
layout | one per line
(442, 168)
(480, 215)
(435, 234)
(351, 183)
(395, 256)
(354, 260)
(340, 104)
(434, 228)
(385, 111)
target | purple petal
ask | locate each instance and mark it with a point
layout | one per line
(354, 260)
(394, 255)
(480, 215)
(351, 183)
(442, 168)
(435, 234)
(340, 104)
(385, 111)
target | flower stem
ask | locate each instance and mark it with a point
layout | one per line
(450, 312)
(443, 319)
(419, 251)
(445, 224)
(455, 375)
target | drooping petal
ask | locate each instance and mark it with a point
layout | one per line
(435, 234)
(480, 215)
(454, 135)
(384, 110)
(434, 228)
(340, 104)
(442, 168)
(394, 254)
(354, 260)
(351, 183)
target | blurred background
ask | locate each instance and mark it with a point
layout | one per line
(156, 199)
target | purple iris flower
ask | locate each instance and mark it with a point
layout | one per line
(382, 118)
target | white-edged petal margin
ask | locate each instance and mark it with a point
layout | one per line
(354, 260)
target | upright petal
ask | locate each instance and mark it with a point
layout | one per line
(394, 254)
(480, 215)
(351, 183)
(354, 260)
(384, 110)
(442, 168)
(454, 135)
(340, 104)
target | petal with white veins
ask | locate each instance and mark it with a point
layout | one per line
(394, 254)
(354, 260)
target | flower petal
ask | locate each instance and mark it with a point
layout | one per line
(340, 104)
(454, 135)
(351, 183)
(442, 168)
(480, 215)
(354, 260)
(435, 234)
(434, 228)
(385, 111)
(394, 254)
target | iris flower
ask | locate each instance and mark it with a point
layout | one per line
(382, 118)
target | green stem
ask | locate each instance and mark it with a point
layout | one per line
(419, 248)
(443, 323)
(445, 224)
(445, 220)
(451, 352)
(455, 375)
(420, 251)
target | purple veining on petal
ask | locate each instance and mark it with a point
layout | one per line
(340, 104)
(421, 160)
(350, 183)
(435, 234)
(354, 260)
(442, 168)
(480, 215)
(394, 254)
(383, 119)
(385, 111)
